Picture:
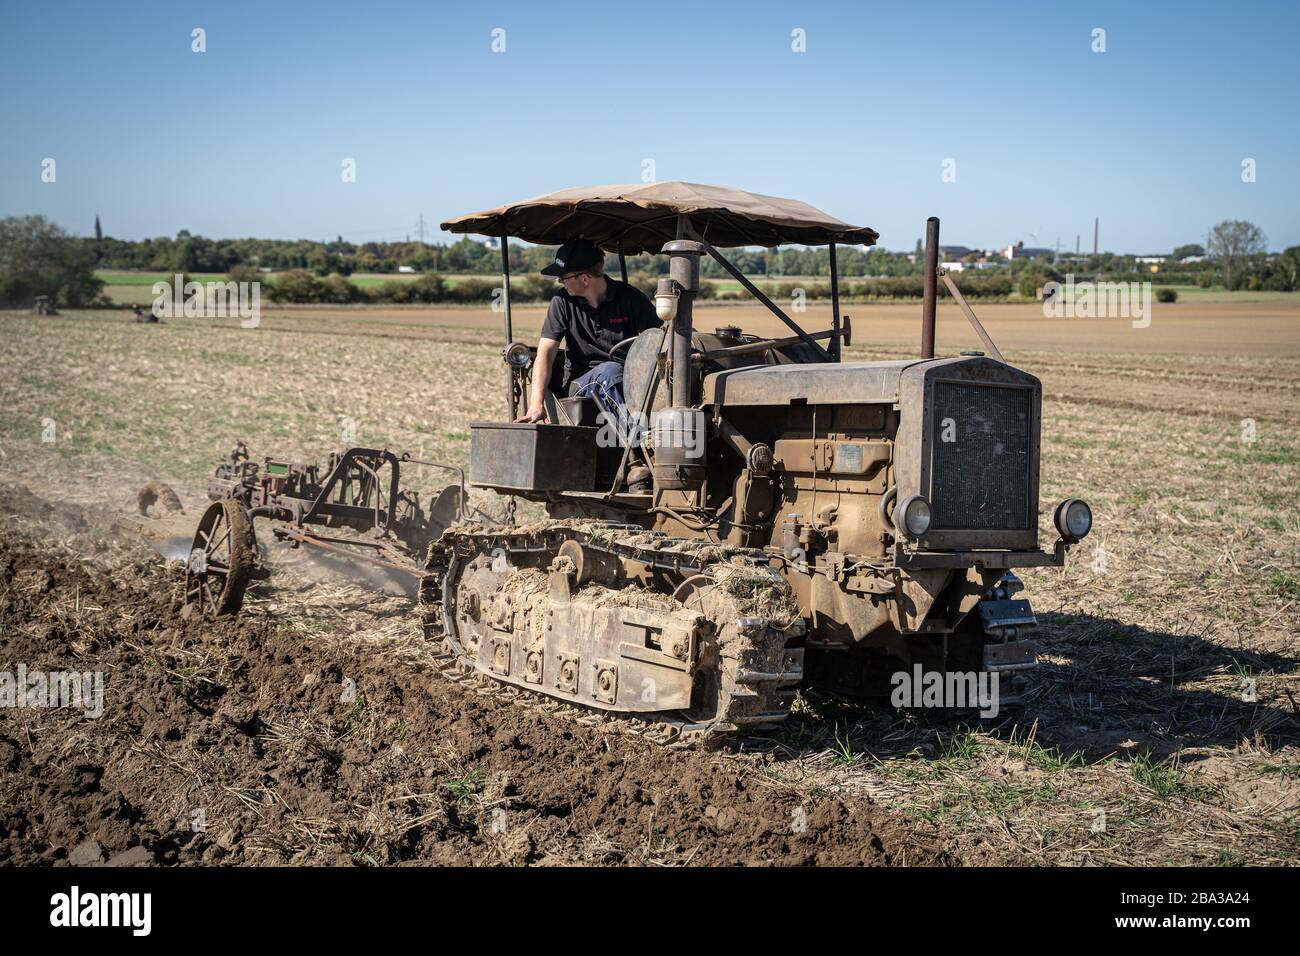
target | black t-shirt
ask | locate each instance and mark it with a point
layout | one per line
(588, 333)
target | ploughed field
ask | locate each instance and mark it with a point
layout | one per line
(1162, 725)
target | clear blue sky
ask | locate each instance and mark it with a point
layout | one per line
(247, 139)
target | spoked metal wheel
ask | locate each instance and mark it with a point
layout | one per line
(220, 562)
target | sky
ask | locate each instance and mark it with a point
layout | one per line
(1001, 119)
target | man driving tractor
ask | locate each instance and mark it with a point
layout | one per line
(591, 314)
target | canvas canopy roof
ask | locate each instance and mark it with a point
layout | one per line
(643, 216)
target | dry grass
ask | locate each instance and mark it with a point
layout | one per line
(1187, 590)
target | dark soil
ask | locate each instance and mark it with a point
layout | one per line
(253, 741)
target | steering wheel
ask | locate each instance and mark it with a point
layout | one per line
(622, 346)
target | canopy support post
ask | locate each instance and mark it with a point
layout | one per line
(835, 306)
(510, 332)
(622, 260)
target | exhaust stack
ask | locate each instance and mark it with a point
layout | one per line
(679, 430)
(929, 301)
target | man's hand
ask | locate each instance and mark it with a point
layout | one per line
(534, 414)
(542, 362)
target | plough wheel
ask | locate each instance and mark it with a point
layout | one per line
(220, 561)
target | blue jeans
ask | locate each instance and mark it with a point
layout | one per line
(603, 384)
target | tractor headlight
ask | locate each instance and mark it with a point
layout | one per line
(1073, 519)
(518, 355)
(912, 516)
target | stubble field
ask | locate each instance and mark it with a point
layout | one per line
(1162, 725)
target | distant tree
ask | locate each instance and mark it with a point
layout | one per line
(296, 285)
(1289, 267)
(1030, 280)
(39, 258)
(336, 288)
(1232, 244)
(244, 274)
(322, 261)
(187, 255)
(99, 233)
(1190, 249)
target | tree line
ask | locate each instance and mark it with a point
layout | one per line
(39, 258)
(301, 286)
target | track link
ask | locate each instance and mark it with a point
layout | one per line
(748, 667)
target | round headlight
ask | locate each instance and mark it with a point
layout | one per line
(518, 355)
(912, 516)
(1073, 519)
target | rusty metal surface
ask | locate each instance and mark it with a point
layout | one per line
(804, 460)
(930, 293)
(978, 469)
(359, 491)
(822, 384)
(920, 431)
(684, 271)
(518, 456)
(639, 624)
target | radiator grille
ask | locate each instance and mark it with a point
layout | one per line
(979, 477)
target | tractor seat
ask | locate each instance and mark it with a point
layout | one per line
(561, 407)
(576, 410)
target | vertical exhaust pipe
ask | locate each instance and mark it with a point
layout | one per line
(929, 302)
(684, 270)
(680, 431)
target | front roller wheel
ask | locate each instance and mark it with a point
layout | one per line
(220, 562)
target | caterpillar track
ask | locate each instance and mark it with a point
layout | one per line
(679, 639)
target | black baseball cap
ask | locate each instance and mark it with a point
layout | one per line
(574, 256)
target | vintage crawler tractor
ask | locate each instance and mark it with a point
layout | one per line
(813, 523)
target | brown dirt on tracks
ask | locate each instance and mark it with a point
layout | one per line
(243, 724)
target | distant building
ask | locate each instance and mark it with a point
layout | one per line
(406, 270)
(974, 260)
(955, 253)
(1021, 251)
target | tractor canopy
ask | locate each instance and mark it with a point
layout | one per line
(641, 217)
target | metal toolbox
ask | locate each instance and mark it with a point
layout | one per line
(523, 456)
